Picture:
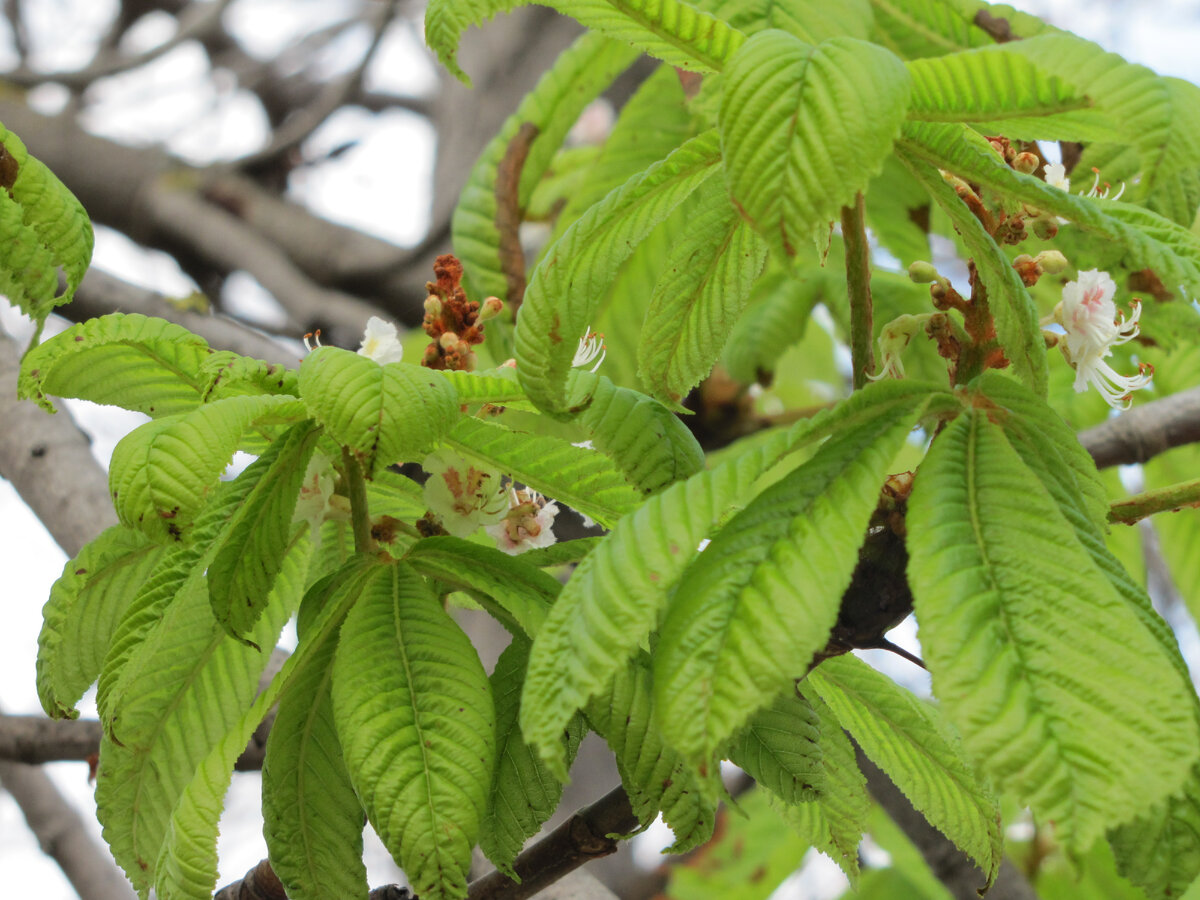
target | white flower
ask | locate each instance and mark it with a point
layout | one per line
(317, 501)
(462, 495)
(1056, 176)
(591, 345)
(380, 342)
(1090, 318)
(1102, 194)
(528, 525)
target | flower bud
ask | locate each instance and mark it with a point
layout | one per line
(1051, 261)
(1026, 163)
(491, 308)
(448, 340)
(433, 306)
(923, 272)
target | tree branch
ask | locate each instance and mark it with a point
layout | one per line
(1143, 432)
(62, 835)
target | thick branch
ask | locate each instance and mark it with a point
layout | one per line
(1144, 432)
(62, 835)
(49, 461)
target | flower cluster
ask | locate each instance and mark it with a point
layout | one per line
(1093, 327)
(462, 495)
(529, 523)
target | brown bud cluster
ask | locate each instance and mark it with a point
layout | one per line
(454, 323)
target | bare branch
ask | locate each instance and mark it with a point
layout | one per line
(1143, 432)
(48, 460)
(62, 835)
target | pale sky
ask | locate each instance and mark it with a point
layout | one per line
(198, 119)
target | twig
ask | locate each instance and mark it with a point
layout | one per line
(1172, 498)
(858, 288)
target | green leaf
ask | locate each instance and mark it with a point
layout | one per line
(780, 749)
(499, 386)
(616, 595)
(698, 298)
(79, 619)
(1160, 850)
(583, 479)
(523, 794)
(1013, 310)
(776, 318)
(898, 213)
(655, 776)
(140, 363)
(249, 559)
(383, 414)
(313, 822)
(906, 739)
(415, 719)
(753, 609)
(1018, 627)
(650, 444)
(1147, 239)
(480, 237)
(566, 287)
(187, 863)
(978, 85)
(672, 30)
(520, 594)
(227, 374)
(804, 128)
(182, 689)
(812, 21)
(835, 820)
(162, 473)
(44, 228)
(916, 28)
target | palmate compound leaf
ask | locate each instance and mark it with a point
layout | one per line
(163, 472)
(1013, 310)
(42, 228)
(905, 738)
(616, 595)
(671, 30)
(187, 863)
(85, 604)
(751, 611)
(584, 479)
(181, 689)
(136, 362)
(523, 793)
(834, 820)
(382, 414)
(566, 287)
(987, 84)
(244, 570)
(1147, 239)
(656, 777)
(1021, 630)
(480, 229)
(415, 719)
(804, 128)
(699, 297)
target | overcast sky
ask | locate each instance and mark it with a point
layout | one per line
(393, 159)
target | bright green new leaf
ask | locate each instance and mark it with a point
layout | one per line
(44, 229)
(566, 287)
(655, 776)
(523, 793)
(244, 570)
(918, 28)
(775, 319)
(383, 414)
(905, 738)
(483, 236)
(1013, 310)
(414, 715)
(584, 479)
(182, 688)
(162, 473)
(812, 21)
(227, 374)
(672, 30)
(140, 363)
(645, 439)
(804, 128)
(989, 84)
(698, 298)
(834, 822)
(752, 609)
(499, 386)
(1159, 851)
(780, 749)
(85, 604)
(616, 595)
(517, 594)
(1019, 626)
(186, 868)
